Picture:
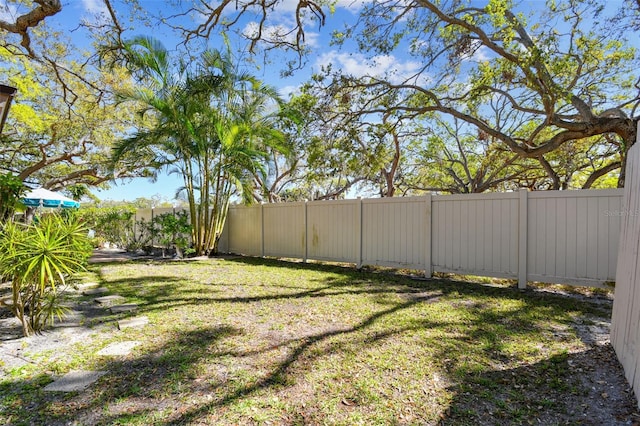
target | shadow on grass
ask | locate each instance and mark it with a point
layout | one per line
(169, 291)
(565, 389)
(164, 376)
(169, 372)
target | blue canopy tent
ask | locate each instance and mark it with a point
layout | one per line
(41, 197)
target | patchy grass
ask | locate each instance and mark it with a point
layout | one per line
(251, 341)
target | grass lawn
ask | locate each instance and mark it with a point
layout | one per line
(253, 341)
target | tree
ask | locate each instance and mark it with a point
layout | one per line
(266, 32)
(42, 9)
(560, 71)
(563, 69)
(11, 189)
(563, 76)
(29, 37)
(204, 122)
(339, 150)
(51, 140)
(455, 158)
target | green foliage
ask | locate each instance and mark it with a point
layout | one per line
(53, 140)
(110, 224)
(551, 84)
(38, 259)
(11, 188)
(173, 229)
(208, 122)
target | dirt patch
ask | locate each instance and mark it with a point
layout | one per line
(588, 384)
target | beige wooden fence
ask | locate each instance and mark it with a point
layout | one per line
(625, 323)
(552, 236)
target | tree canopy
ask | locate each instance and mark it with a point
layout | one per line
(493, 95)
(533, 81)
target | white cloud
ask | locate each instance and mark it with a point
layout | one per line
(287, 5)
(279, 33)
(95, 12)
(94, 6)
(351, 5)
(287, 91)
(480, 54)
(357, 65)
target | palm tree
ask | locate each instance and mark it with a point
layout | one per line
(208, 122)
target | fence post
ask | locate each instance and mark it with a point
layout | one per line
(359, 240)
(428, 271)
(153, 237)
(522, 239)
(306, 234)
(135, 225)
(262, 229)
(227, 225)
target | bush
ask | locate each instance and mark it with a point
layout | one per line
(11, 188)
(111, 224)
(173, 230)
(38, 258)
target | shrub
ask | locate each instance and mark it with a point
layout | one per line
(112, 224)
(11, 188)
(173, 229)
(38, 258)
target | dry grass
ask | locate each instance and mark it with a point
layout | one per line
(251, 341)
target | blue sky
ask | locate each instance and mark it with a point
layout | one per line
(74, 11)
(346, 58)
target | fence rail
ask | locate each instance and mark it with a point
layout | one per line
(568, 237)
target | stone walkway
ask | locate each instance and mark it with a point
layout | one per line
(14, 349)
(75, 381)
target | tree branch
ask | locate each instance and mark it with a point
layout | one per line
(31, 19)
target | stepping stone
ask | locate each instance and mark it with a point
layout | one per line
(94, 291)
(74, 381)
(118, 349)
(87, 286)
(127, 307)
(138, 322)
(109, 299)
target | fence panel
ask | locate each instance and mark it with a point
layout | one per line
(625, 333)
(223, 243)
(284, 230)
(393, 232)
(143, 218)
(573, 236)
(476, 234)
(333, 230)
(245, 228)
(567, 237)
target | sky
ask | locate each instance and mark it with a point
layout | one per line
(346, 58)
(317, 38)
(94, 11)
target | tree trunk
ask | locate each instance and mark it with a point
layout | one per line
(623, 168)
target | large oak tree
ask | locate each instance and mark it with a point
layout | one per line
(565, 70)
